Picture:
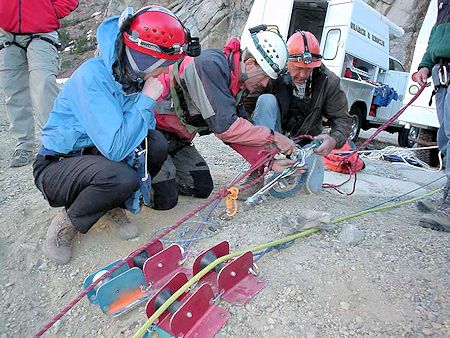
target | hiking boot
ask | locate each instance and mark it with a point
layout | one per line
(58, 242)
(127, 229)
(253, 189)
(427, 205)
(438, 219)
(21, 157)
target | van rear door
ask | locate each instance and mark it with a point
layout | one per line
(268, 12)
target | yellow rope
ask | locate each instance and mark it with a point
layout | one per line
(143, 329)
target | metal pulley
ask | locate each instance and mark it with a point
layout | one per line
(285, 184)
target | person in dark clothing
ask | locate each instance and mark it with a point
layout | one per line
(298, 108)
(436, 63)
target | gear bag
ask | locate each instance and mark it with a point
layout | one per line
(342, 163)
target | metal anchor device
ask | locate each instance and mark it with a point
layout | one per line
(136, 280)
(192, 315)
(284, 184)
(233, 280)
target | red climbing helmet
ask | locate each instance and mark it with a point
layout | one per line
(156, 31)
(304, 50)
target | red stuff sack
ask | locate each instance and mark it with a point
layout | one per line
(343, 163)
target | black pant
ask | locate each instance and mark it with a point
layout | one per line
(88, 186)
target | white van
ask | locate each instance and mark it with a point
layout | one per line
(354, 40)
(421, 118)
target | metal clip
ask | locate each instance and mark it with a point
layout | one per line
(443, 75)
(300, 154)
(254, 270)
(5, 44)
(144, 152)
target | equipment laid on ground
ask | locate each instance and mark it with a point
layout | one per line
(157, 273)
(125, 288)
(192, 315)
(282, 185)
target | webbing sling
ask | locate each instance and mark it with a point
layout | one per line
(179, 93)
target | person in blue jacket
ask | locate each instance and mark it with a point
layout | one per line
(100, 148)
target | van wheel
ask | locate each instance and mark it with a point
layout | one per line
(429, 156)
(357, 121)
(404, 136)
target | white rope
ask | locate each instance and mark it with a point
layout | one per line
(404, 154)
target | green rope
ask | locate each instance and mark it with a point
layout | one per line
(143, 329)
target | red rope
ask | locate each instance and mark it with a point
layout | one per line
(388, 122)
(351, 166)
(220, 194)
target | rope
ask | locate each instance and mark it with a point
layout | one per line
(143, 329)
(346, 160)
(265, 158)
(407, 193)
(403, 154)
(388, 122)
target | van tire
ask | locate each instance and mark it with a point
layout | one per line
(404, 134)
(429, 156)
(358, 119)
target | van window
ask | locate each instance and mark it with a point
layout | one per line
(395, 65)
(331, 44)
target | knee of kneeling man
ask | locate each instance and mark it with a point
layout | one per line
(203, 183)
(165, 195)
(268, 99)
(164, 202)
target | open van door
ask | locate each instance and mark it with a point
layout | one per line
(270, 13)
(419, 113)
(397, 79)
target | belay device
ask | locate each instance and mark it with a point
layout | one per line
(282, 185)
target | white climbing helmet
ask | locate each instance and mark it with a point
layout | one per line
(269, 50)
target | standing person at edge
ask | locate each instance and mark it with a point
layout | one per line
(99, 144)
(298, 108)
(203, 95)
(436, 62)
(29, 64)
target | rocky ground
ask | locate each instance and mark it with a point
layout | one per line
(391, 279)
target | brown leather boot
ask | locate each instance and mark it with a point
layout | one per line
(58, 242)
(438, 219)
(253, 189)
(127, 229)
(427, 205)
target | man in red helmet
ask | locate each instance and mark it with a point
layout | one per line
(204, 95)
(298, 108)
(99, 147)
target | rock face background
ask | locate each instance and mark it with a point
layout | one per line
(214, 21)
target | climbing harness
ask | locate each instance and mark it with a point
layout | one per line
(6, 44)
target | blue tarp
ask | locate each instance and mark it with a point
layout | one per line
(383, 95)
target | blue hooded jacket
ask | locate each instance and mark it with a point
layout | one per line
(93, 110)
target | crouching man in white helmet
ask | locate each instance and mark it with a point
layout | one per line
(204, 95)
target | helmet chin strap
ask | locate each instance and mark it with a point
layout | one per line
(245, 76)
(141, 73)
